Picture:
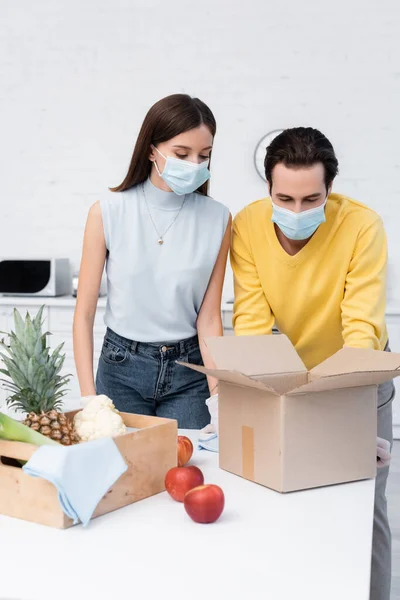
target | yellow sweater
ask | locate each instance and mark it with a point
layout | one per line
(331, 293)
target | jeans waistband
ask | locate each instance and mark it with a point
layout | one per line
(174, 349)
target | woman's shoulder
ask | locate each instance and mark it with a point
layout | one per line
(209, 204)
(211, 210)
(116, 202)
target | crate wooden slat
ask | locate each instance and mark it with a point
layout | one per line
(149, 453)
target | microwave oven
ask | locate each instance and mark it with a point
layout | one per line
(35, 277)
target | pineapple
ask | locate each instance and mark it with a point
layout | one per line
(36, 385)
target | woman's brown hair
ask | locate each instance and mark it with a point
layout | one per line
(166, 119)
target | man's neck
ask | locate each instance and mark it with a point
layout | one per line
(292, 247)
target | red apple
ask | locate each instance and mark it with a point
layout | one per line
(205, 503)
(185, 450)
(179, 480)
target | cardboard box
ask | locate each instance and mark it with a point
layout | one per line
(290, 429)
(149, 452)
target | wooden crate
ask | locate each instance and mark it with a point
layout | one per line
(149, 453)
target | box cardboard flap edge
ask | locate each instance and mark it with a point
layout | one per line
(357, 360)
(233, 377)
(263, 357)
(351, 367)
(255, 355)
(345, 380)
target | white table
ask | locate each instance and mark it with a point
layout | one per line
(266, 546)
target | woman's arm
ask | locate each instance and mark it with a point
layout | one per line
(92, 265)
(209, 321)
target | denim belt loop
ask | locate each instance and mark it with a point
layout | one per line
(182, 348)
(133, 347)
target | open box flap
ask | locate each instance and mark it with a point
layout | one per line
(357, 360)
(345, 380)
(231, 377)
(255, 355)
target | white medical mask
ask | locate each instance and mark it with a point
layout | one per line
(298, 226)
(183, 176)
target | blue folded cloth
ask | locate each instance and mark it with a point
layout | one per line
(82, 474)
(208, 441)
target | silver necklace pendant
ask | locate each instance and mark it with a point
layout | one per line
(160, 240)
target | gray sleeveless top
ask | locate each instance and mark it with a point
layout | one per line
(155, 291)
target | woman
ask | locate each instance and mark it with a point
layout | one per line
(165, 246)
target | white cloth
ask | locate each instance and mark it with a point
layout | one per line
(208, 439)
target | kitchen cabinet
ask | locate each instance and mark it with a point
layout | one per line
(58, 318)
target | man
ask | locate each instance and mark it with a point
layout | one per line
(314, 263)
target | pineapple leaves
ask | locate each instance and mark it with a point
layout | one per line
(44, 339)
(19, 325)
(14, 372)
(18, 351)
(37, 321)
(34, 371)
(30, 335)
(9, 385)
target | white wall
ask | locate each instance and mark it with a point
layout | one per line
(76, 78)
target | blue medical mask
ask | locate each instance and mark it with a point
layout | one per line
(183, 176)
(298, 226)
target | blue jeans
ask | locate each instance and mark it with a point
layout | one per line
(144, 379)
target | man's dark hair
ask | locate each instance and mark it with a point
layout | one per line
(301, 147)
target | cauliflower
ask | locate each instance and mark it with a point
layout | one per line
(98, 419)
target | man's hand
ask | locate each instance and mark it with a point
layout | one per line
(383, 456)
(212, 404)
